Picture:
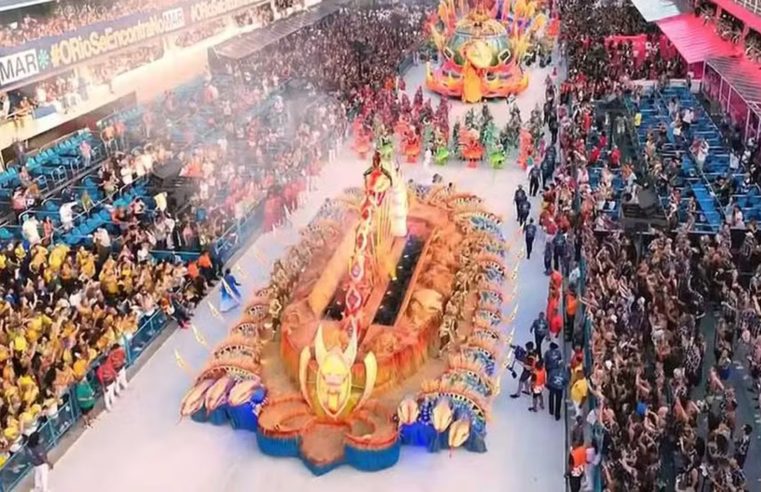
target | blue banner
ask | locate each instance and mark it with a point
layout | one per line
(56, 52)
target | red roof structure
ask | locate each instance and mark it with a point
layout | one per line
(696, 40)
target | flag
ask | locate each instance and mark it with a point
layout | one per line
(180, 361)
(199, 336)
(215, 312)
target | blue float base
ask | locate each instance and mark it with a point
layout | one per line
(219, 416)
(277, 447)
(200, 416)
(372, 460)
(420, 434)
(243, 417)
(361, 459)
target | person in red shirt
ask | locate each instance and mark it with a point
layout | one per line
(615, 157)
(603, 140)
(118, 360)
(107, 378)
(577, 359)
(594, 155)
(120, 132)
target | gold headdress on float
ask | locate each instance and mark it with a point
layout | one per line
(333, 381)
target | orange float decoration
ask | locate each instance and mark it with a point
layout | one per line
(482, 48)
(320, 362)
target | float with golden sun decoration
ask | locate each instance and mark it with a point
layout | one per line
(383, 326)
(482, 47)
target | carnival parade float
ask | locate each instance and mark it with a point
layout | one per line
(385, 325)
(481, 48)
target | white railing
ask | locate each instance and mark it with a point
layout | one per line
(751, 5)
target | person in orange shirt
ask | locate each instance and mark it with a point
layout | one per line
(571, 304)
(556, 323)
(538, 381)
(206, 266)
(193, 270)
(577, 463)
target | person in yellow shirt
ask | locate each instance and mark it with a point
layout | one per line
(28, 419)
(20, 253)
(18, 342)
(579, 391)
(57, 257)
(28, 388)
(87, 265)
(67, 275)
(80, 368)
(39, 257)
(11, 432)
(64, 377)
(110, 285)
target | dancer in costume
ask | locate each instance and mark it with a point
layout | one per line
(230, 296)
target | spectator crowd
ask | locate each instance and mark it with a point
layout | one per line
(67, 307)
(657, 323)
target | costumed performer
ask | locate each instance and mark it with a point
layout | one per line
(230, 296)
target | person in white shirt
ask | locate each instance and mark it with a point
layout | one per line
(126, 174)
(687, 118)
(30, 230)
(40, 95)
(160, 200)
(143, 253)
(66, 212)
(5, 105)
(102, 238)
(75, 299)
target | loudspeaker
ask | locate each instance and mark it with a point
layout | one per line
(647, 200)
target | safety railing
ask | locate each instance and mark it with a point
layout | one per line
(55, 425)
(587, 327)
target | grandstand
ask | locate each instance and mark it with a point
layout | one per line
(55, 176)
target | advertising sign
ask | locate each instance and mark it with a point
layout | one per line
(18, 66)
(56, 52)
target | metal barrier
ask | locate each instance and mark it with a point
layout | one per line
(597, 436)
(54, 427)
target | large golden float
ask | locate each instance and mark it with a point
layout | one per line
(393, 290)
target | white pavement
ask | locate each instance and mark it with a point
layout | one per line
(142, 446)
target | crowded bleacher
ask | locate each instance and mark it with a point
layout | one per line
(56, 18)
(668, 294)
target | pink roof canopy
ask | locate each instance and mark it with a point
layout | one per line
(695, 40)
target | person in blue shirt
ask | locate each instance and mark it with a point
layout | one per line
(229, 292)
(557, 379)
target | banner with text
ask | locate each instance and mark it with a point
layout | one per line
(52, 53)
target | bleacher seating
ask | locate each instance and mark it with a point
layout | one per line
(693, 182)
